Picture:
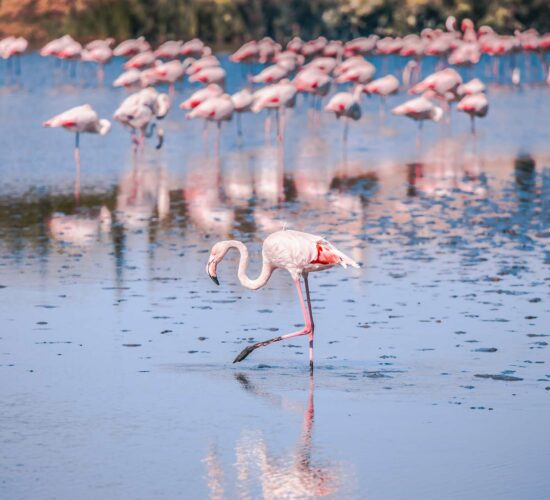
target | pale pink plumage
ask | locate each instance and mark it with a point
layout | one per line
(297, 252)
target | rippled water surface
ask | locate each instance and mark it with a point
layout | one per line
(432, 374)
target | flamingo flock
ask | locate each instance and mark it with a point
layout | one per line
(309, 70)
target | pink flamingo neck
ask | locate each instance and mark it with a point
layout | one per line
(265, 274)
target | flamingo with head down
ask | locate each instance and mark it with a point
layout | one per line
(297, 252)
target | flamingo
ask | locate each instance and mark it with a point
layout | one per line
(242, 102)
(169, 50)
(346, 105)
(140, 60)
(172, 71)
(358, 73)
(128, 78)
(138, 110)
(271, 74)
(297, 252)
(384, 87)
(131, 47)
(279, 96)
(99, 54)
(194, 48)
(216, 109)
(208, 61)
(81, 119)
(215, 74)
(201, 95)
(360, 46)
(419, 109)
(474, 105)
(474, 86)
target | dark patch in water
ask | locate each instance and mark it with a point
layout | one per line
(498, 376)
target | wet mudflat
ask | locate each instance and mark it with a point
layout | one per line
(432, 374)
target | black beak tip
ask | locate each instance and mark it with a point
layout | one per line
(214, 279)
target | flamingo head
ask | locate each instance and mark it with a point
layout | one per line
(216, 255)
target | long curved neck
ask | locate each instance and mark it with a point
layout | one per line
(264, 276)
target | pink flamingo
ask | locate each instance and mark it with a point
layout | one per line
(169, 50)
(141, 60)
(384, 87)
(216, 109)
(138, 110)
(172, 71)
(215, 74)
(128, 78)
(131, 47)
(271, 74)
(100, 54)
(419, 109)
(242, 103)
(297, 252)
(81, 119)
(362, 72)
(201, 95)
(279, 96)
(194, 48)
(360, 46)
(346, 105)
(474, 105)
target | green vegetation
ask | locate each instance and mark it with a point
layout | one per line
(227, 23)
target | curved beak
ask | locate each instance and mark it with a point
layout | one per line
(211, 271)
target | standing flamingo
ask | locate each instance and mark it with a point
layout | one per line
(346, 105)
(79, 120)
(297, 252)
(474, 105)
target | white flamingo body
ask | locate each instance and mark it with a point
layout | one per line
(346, 104)
(141, 60)
(246, 53)
(271, 74)
(80, 119)
(193, 48)
(169, 50)
(128, 78)
(214, 74)
(201, 95)
(203, 63)
(358, 73)
(324, 64)
(12, 46)
(443, 81)
(419, 109)
(384, 86)
(138, 110)
(242, 100)
(313, 81)
(298, 253)
(280, 95)
(474, 86)
(131, 47)
(216, 109)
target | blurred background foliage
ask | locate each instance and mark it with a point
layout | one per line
(227, 23)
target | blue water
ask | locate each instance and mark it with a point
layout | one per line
(432, 374)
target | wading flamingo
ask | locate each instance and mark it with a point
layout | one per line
(79, 120)
(297, 252)
(474, 105)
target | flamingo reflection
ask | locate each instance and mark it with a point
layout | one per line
(296, 474)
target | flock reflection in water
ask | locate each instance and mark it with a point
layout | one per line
(256, 191)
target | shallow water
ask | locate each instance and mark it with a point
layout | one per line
(432, 374)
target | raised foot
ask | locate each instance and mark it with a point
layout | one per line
(244, 353)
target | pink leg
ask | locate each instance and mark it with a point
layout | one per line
(307, 330)
(311, 324)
